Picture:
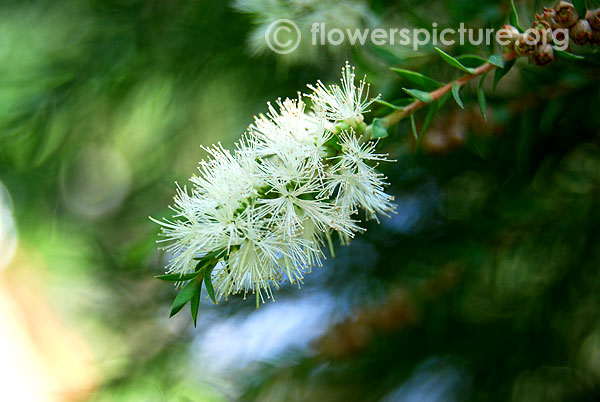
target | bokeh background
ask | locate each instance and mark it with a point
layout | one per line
(484, 286)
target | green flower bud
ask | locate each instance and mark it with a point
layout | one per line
(340, 127)
(354, 121)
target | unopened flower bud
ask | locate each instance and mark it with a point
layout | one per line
(581, 32)
(354, 120)
(341, 127)
(566, 14)
(544, 55)
(543, 30)
(593, 17)
(524, 46)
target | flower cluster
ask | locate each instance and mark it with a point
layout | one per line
(265, 211)
(551, 25)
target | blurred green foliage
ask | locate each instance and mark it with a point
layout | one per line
(485, 286)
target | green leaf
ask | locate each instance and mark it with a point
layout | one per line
(378, 129)
(194, 304)
(453, 62)
(413, 125)
(514, 17)
(423, 96)
(456, 94)
(481, 99)
(211, 255)
(501, 72)
(208, 283)
(497, 60)
(178, 277)
(580, 6)
(564, 55)
(397, 104)
(471, 60)
(417, 78)
(389, 104)
(185, 295)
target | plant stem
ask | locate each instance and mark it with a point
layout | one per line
(398, 115)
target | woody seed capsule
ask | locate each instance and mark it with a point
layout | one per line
(544, 31)
(510, 34)
(523, 48)
(593, 17)
(566, 15)
(581, 32)
(549, 16)
(544, 55)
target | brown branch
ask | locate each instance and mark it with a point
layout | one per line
(398, 115)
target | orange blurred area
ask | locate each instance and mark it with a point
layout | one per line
(43, 357)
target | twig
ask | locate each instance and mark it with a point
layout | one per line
(398, 115)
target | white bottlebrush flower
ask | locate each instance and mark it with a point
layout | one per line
(290, 133)
(263, 213)
(264, 257)
(357, 184)
(345, 104)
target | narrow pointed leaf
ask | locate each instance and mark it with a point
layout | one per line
(514, 17)
(185, 295)
(471, 60)
(423, 96)
(389, 104)
(194, 305)
(177, 277)
(481, 99)
(562, 54)
(378, 129)
(413, 125)
(456, 94)
(208, 283)
(417, 78)
(453, 62)
(211, 255)
(501, 72)
(497, 60)
(397, 104)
